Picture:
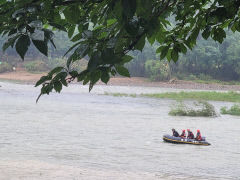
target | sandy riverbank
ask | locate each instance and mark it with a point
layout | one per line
(30, 78)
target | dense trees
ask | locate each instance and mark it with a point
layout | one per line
(107, 30)
(207, 60)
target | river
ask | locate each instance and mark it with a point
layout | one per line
(80, 135)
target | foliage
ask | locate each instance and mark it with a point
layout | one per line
(4, 67)
(107, 30)
(203, 109)
(120, 94)
(234, 110)
(36, 66)
(199, 95)
(157, 70)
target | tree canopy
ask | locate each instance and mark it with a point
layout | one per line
(107, 30)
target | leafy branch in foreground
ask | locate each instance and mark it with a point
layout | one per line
(106, 30)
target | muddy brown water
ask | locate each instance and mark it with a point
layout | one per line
(77, 135)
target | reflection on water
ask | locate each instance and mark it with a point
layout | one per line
(77, 135)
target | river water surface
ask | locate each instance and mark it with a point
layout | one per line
(80, 135)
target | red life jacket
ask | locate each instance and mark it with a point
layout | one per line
(190, 135)
(183, 134)
(199, 137)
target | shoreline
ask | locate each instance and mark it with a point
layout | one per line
(23, 77)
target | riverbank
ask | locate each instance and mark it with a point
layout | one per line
(31, 78)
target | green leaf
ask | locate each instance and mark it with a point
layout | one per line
(127, 59)
(58, 86)
(164, 52)
(95, 76)
(41, 46)
(90, 86)
(55, 70)
(206, 33)
(111, 22)
(140, 44)
(58, 26)
(22, 45)
(61, 75)
(169, 55)
(72, 14)
(122, 71)
(194, 34)
(71, 31)
(174, 55)
(105, 77)
(77, 37)
(94, 61)
(42, 80)
(82, 75)
(183, 48)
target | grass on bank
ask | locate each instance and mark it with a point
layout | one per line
(194, 95)
(234, 110)
(201, 109)
(199, 95)
(120, 94)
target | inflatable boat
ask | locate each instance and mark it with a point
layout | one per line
(179, 140)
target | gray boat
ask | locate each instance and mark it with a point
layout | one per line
(179, 140)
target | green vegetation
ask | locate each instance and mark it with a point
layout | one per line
(195, 95)
(199, 95)
(36, 66)
(120, 94)
(234, 110)
(203, 109)
(157, 70)
(107, 32)
(5, 67)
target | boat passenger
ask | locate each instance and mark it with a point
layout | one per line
(183, 135)
(190, 134)
(198, 137)
(175, 133)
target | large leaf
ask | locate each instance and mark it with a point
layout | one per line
(41, 46)
(140, 44)
(122, 71)
(164, 52)
(22, 45)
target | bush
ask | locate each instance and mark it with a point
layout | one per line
(36, 66)
(157, 70)
(203, 109)
(5, 67)
(234, 110)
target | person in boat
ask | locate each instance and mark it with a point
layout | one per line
(198, 136)
(175, 133)
(183, 135)
(190, 134)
